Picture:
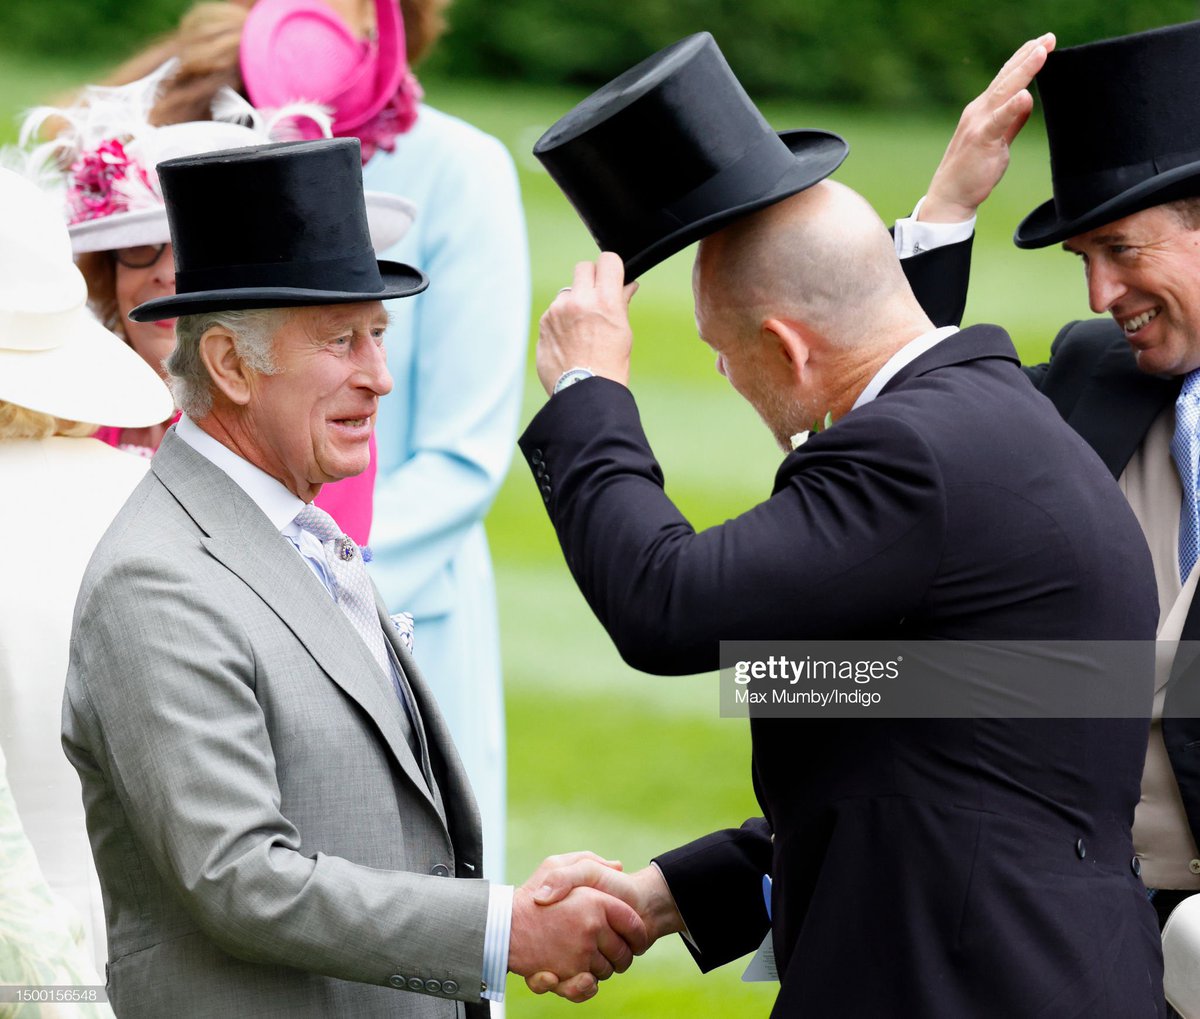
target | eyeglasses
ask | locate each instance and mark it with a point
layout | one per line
(140, 256)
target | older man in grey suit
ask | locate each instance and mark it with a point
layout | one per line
(280, 820)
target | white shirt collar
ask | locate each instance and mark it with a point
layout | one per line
(904, 356)
(280, 505)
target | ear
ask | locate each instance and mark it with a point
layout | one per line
(231, 376)
(789, 344)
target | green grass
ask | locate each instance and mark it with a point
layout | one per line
(602, 757)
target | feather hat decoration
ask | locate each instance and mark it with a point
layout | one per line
(101, 161)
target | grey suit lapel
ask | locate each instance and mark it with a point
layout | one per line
(457, 797)
(239, 535)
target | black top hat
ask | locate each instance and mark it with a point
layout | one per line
(672, 150)
(1124, 130)
(272, 226)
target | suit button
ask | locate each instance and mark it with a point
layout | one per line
(396, 980)
(1135, 865)
(546, 488)
(535, 457)
(546, 498)
(440, 870)
(449, 987)
(1194, 866)
(539, 470)
(433, 986)
(1080, 849)
(416, 984)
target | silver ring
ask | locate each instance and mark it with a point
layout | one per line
(564, 290)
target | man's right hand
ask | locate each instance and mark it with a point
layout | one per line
(978, 154)
(645, 890)
(583, 937)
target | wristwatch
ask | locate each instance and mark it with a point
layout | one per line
(570, 377)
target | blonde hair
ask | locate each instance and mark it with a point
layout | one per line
(18, 422)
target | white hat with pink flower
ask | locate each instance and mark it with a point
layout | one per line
(102, 161)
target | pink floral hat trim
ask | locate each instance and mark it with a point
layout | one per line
(106, 180)
(301, 50)
(101, 163)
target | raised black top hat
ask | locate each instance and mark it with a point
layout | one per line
(672, 150)
(272, 226)
(1123, 123)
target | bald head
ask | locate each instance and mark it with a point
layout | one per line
(821, 258)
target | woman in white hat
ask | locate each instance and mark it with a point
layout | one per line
(61, 374)
(106, 156)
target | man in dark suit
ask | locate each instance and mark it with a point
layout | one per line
(1120, 118)
(969, 867)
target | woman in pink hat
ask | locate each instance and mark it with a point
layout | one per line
(456, 352)
(106, 151)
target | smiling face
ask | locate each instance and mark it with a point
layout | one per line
(310, 422)
(1144, 270)
(154, 341)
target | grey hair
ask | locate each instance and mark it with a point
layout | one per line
(253, 331)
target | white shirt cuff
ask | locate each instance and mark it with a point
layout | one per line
(685, 933)
(913, 236)
(495, 941)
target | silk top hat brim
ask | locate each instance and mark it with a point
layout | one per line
(674, 149)
(1123, 131)
(399, 281)
(272, 226)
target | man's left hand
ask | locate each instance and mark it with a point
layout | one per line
(587, 324)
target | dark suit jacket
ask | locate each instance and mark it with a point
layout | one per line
(1094, 382)
(921, 868)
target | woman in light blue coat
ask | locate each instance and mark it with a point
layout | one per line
(445, 435)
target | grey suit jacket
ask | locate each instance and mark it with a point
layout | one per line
(266, 841)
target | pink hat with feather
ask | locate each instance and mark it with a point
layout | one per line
(302, 50)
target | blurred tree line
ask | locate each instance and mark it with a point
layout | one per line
(878, 52)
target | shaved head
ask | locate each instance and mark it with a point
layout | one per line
(822, 258)
(804, 301)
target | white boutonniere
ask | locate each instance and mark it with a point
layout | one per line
(800, 438)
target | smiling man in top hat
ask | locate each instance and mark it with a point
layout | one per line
(1124, 142)
(936, 868)
(278, 815)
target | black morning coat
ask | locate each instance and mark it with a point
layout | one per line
(1094, 382)
(921, 868)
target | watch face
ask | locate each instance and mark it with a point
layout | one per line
(571, 376)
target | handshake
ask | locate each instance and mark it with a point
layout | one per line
(580, 918)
